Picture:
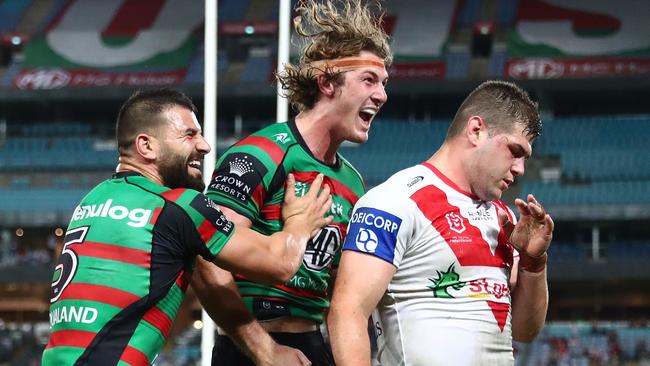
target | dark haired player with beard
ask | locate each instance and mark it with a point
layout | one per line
(132, 241)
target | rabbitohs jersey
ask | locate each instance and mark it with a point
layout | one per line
(449, 301)
(124, 267)
(250, 178)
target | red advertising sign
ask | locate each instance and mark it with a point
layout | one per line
(431, 70)
(237, 28)
(63, 78)
(548, 68)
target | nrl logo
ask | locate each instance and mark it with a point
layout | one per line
(240, 167)
(455, 222)
(282, 137)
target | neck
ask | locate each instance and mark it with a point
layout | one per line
(448, 161)
(315, 128)
(148, 170)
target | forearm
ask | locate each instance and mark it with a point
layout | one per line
(287, 247)
(220, 298)
(529, 305)
(349, 339)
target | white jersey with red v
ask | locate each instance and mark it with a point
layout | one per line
(449, 301)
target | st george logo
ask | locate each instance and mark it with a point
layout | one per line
(366, 240)
(455, 222)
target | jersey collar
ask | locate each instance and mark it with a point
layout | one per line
(294, 130)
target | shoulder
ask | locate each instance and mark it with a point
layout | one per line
(261, 152)
(400, 186)
(199, 208)
(273, 141)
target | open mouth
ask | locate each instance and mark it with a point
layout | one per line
(366, 114)
(196, 164)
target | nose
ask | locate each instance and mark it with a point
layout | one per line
(518, 167)
(380, 97)
(202, 145)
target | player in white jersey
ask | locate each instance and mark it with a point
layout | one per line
(452, 274)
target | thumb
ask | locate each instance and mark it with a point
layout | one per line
(504, 222)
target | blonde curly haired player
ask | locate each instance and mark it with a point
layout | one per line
(337, 87)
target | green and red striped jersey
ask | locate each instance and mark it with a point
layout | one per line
(249, 179)
(124, 267)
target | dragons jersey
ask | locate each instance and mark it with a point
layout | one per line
(124, 267)
(250, 178)
(449, 301)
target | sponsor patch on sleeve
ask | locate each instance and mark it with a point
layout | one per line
(238, 176)
(212, 214)
(373, 231)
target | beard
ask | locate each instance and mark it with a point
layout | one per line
(174, 172)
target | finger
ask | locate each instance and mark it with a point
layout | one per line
(324, 193)
(322, 222)
(531, 198)
(506, 224)
(303, 359)
(502, 216)
(536, 210)
(522, 206)
(290, 190)
(315, 185)
(326, 205)
(549, 225)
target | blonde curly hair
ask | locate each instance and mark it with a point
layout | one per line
(331, 30)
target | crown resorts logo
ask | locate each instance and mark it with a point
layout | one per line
(240, 167)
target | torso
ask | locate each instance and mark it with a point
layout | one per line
(258, 192)
(449, 301)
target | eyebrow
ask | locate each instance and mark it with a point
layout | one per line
(520, 150)
(192, 130)
(376, 76)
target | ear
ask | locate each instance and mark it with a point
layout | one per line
(146, 146)
(326, 87)
(474, 128)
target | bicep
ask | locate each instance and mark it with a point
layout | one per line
(234, 216)
(361, 281)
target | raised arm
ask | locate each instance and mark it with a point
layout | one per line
(361, 281)
(531, 236)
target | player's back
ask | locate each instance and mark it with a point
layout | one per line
(114, 293)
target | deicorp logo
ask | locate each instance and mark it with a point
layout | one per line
(373, 231)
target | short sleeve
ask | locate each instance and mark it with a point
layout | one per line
(238, 182)
(211, 225)
(380, 225)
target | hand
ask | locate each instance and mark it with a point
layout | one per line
(284, 356)
(308, 211)
(533, 233)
